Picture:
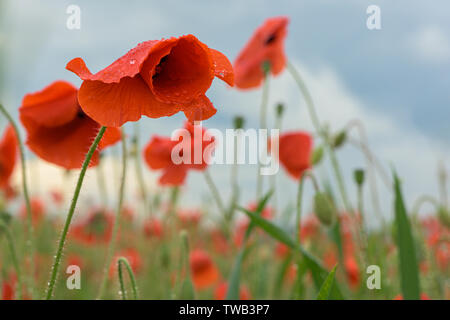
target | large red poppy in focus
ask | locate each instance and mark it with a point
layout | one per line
(8, 156)
(58, 130)
(158, 155)
(266, 45)
(157, 78)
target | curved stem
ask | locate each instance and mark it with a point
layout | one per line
(421, 201)
(120, 261)
(214, 191)
(315, 120)
(29, 240)
(262, 125)
(12, 249)
(299, 199)
(113, 241)
(62, 240)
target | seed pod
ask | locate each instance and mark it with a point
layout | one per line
(280, 109)
(238, 122)
(359, 175)
(339, 139)
(317, 155)
(324, 208)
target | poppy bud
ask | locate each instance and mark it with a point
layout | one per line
(339, 139)
(323, 208)
(280, 110)
(444, 216)
(238, 122)
(359, 175)
(317, 155)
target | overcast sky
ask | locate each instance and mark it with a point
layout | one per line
(397, 79)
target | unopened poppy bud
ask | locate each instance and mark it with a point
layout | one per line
(359, 176)
(323, 208)
(444, 216)
(317, 156)
(238, 122)
(339, 139)
(280, 109)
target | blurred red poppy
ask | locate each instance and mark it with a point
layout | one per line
(153, 228)
(221, 292)
(295, 150)
(96, 227)
(157, 78)
(8, 157)
(352, 271)
(58, 130)
(37, 210)
(266, 45)
(203, 270)
(158, 154)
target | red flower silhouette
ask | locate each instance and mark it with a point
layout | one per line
(158, 154)
(8, 156)
(133, 257)
(95, 228)
(295, 150)
(153, 228)
(266, 45)
(37, 210)
(58, 130)
(157, 78)
(203, 270)
(221, 292)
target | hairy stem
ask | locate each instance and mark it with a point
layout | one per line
(112, 244)
(124, 261)
(62, 240)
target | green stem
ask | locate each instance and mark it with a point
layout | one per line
(215, 192)
(112, 244)
(29, 239)
(12, 249)
(120, 261)
(62, 240)
(262, 125)
(299, 199)
(315, 120)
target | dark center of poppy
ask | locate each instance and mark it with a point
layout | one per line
(81, 114)
(184, 74)
(271, 39)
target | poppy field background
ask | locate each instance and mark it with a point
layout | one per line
(207, 231)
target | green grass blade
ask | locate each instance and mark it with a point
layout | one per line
(409, 271)
(319, 273)
(325, 289)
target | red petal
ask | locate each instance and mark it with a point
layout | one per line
(222, 67)
(111, 136)
(158, 152)
(173, 175)
(53, 106)
(199, 109)
(8, 156)
(113, 104)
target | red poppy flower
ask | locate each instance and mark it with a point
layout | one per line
(8, 290)
(221, 292)
(153, 228)
(189, 217)
(352, 271)
(203, 270)
(295, 150)
(8, 156)
(157, 78)
(37, 210)
(58, 130)
(158, 154)
(95, 228)
(266, 45)
(133, 257)
(74, 259)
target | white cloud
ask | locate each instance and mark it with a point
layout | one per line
(431, 44)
